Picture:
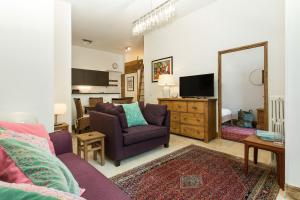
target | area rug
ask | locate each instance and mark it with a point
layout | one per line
(198, 173)
(236, 133)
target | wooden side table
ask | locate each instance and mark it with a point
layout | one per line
(63, 126)
(256, 143)
(92, 141)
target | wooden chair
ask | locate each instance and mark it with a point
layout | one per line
(94, 100)
(124, 100)
(82, 121)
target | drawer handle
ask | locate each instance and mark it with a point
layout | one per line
(194, 107)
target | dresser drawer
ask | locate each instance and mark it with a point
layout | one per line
(192, 118)
(192, 131)
(196, 107)
(179, 106)
(175, 127)
(175, 116)
(169, 104)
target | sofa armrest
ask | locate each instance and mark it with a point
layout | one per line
(110, 126)
(167, 119)
(62, 142)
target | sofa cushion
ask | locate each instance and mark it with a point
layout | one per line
(102, 107)
(155, 114)
(97, 186)
(138, 134)
(134, 115)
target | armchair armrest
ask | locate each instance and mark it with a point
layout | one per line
(110, 126)
(62, 142)
(167, 119)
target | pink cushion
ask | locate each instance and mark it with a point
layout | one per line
(34, 129)
(9, 172)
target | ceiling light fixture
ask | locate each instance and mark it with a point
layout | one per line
(156, 17)
(127, 49)
(87, 42)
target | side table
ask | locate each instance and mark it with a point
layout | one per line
(256, 143)
(92, 141)
(62, 126)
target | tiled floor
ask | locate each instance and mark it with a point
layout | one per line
(177, 142)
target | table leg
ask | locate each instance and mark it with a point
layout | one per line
(255, 155)
(102, 152)
(280, 170)
(78, 148)
(85, 150)
(95, 151)
(246, 158)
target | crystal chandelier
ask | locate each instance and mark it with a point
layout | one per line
(156, 17)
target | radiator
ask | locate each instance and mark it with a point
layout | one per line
(276, 107)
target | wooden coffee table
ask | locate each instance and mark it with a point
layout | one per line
(92, 141)
(256, 143)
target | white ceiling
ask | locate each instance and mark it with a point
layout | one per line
(108, 23)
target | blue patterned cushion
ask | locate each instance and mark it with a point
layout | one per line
(134, 115)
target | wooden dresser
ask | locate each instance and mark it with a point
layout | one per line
(192, 117)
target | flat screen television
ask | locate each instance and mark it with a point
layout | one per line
(197, 86)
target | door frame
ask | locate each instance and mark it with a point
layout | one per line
(265, 77)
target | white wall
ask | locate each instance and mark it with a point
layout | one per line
(85, 58)
(63, 48)
(134, 55)
(292, 93)
(240, 70)
(27, 58)
(195, 39)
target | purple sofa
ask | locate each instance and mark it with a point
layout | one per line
(122, 143)
(96, 185)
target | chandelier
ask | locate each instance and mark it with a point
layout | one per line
(156, 17)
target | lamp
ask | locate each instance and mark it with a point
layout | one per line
(59, 109)
(166, 80)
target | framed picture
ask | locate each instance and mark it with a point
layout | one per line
(162, 66)
(130, 83)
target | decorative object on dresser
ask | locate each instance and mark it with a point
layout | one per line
(192, 117)
(95, 140)
(260, 119)
(166, 80)
(59, 109)
(61, 127)
(161, 66)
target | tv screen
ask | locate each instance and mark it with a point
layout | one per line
(197, 86)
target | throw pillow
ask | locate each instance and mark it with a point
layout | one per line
(134, 115)
(155, 114)
(42, 168)
(33, 192)
(9, 172)
(33, 129)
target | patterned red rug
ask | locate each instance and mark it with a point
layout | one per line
(236, 133)
(198, 173)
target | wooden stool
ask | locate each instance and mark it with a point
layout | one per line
(95, 140)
